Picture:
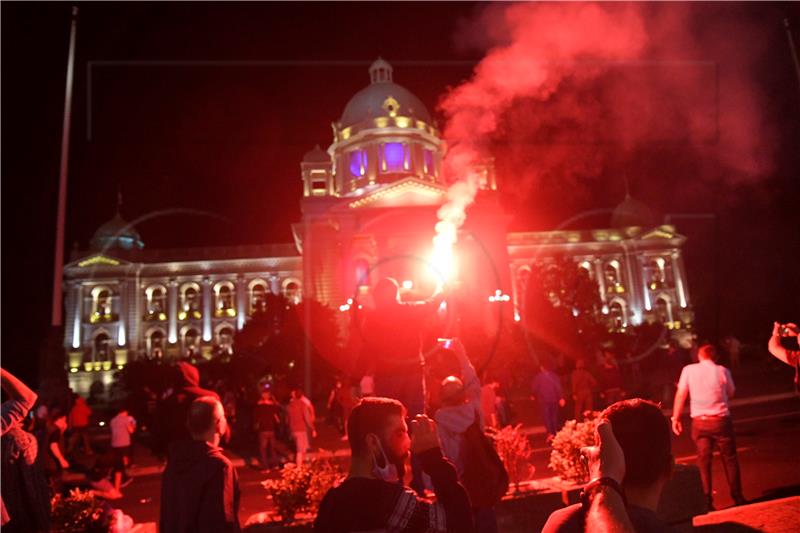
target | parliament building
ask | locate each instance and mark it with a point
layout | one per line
(368, 211)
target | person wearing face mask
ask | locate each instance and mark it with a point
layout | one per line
(373, 496)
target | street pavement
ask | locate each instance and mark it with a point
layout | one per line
(768, 437)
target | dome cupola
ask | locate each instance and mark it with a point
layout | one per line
(116, 233)
(385, 134)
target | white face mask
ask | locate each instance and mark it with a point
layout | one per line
(388, 472)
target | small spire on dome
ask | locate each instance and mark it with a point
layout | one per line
(380, 71)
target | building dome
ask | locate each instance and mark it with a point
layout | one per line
(632, 212)
(116, 233)
(317, 155)
(382, 98)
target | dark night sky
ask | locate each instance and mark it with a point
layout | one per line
(206, 133)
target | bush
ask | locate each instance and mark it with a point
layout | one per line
(515, 450)
(80, 512)
(302, 487)
(565, 459)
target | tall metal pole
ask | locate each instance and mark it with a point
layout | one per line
(58, 259)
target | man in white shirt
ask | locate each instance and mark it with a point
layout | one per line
(122, 426)
(709, 387)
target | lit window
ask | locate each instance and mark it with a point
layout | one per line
(358, 163)
(395, 157)
(429, 162)
(362, 273)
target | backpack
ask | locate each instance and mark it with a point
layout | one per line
(485, 477)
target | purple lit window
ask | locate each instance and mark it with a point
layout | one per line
(429, 163)
(358, 163)
(394, 157)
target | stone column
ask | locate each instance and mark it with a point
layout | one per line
(77, 319)
(122, 313)
(208, 310)
(601, 278)
(275, 285)
(645, 289)
(679, 275)
(172, 305)
(241, 301)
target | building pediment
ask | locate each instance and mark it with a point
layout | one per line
(403, 193)
(96, 260)
(660, 232)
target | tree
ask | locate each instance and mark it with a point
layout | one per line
(279, 335)
(562, 310)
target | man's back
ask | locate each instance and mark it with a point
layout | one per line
(299, 415)
(265, 415)
(546, 386)
(709, 387)
(199, 490)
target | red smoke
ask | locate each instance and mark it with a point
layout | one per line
(568, 93)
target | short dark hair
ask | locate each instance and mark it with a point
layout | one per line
(202, 415)
(708, 351)
(370, 415)
(643, 433)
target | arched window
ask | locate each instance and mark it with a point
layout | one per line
(258, 298)
(225, 295)
(155, 344)
(102, 347)
(362, 273)
(225, 340)
(616, 310)
(292, 290)
(663, 309)
(191, 298)
(429, 161)
(394, 157)
(155, 302)
(191, 342)
(611, 272)
(357, 161)
(586, 268)
(158, 300)
(102, 309)
(655, 273)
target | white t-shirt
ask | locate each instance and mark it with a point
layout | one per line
(120, 433)
(710, 385)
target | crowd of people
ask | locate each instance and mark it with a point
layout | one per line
(427, 411)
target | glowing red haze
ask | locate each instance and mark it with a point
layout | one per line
(568, 91)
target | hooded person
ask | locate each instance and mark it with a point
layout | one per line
(460, 410)
(171, 425)
(200, 487)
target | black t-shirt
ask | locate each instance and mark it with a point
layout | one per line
(264, 416)
(572, 519)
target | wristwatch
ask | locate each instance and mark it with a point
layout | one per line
(592, 486)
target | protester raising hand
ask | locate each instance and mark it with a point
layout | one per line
(423, 434)
(607, 513)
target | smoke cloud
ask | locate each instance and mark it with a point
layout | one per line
(570, 94)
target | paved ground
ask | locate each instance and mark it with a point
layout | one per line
(768, 439)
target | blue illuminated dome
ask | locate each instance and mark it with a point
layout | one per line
(116, 233)
(382, 98)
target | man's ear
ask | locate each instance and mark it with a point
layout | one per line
(371, 440)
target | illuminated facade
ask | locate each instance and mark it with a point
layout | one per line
(368, 211)
(125, 301)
